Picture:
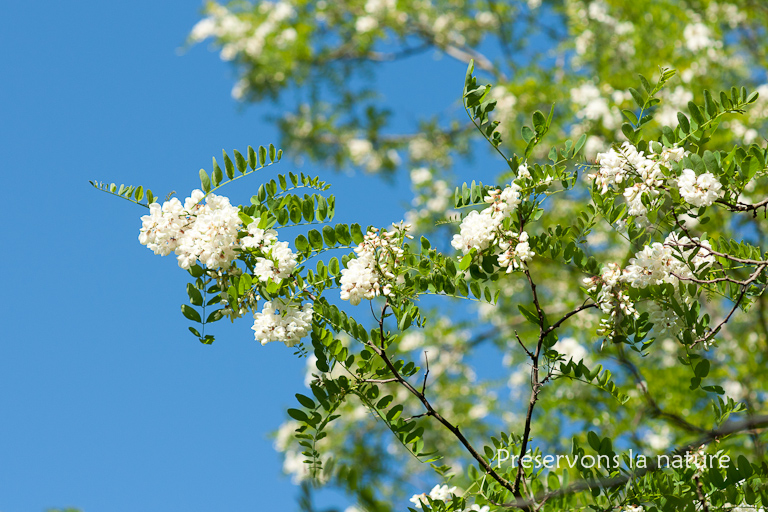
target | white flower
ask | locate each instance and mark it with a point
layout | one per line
(442, 492)
(571, 348)
(479, 230)
(420, 175)
(194, 232)
(515, 251)
(280, 320)
(523, 172)
(666, 263)
(416, 499)
(372, 272)
(699, 191)
(366, 24)
(438, 492)
(696, 37)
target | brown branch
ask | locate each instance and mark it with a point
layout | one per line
(700, 494)
(656, 411)
(752, 278)
(535, 384)
(743, 207)
(567, 316)
(381, 352)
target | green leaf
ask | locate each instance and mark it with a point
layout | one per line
(298, 415)
(637, 96)
(702, 369)
(215, 316)
(305, 401)
(216, 175)
(195, 297)
(322, 208)
(229, 167)
(342, 234)
(302, 244)
(191, 313)
(205, 181)
(308, 210)
(646, 84)
(262, 155)
(696, 113)
(315, 239)
(527, 134)
(356, 234)
(329, 234)
(529, 315)
(242, 166)
(252, 161)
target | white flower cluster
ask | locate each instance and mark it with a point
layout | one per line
(438, 492)
(611, 297)
(633, 508)
(666, 263)
(515, 251)
(639, 174)
(594, 106)
(278, 260)
(240, 34)
(697, 37)
(664, 320)
(480, 230)
(371, 273)
(194, 232)
(281, 320)
(699, 190)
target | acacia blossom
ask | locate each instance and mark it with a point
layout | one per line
(282, 320)
(371, 273)
(277, 261)
(639, 174)
(700, 190)
(194, 232)
(611, 297)
(479, 230)
(667, 263)
(438, 492)
(515, 251)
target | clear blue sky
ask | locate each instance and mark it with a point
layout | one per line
(107, 402)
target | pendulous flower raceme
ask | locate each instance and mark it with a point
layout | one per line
(373, 272)
(480, 230)
(208, 233)
(700, 190)
(282, 320)
(275, 260)
(639, 175)
(666, 263)
(194, 232)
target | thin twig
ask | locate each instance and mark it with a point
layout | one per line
(380, 351)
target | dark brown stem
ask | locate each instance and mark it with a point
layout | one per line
(381, 352)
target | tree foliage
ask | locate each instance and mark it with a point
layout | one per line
(615, 269)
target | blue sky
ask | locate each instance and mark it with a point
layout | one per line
(108, 403)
